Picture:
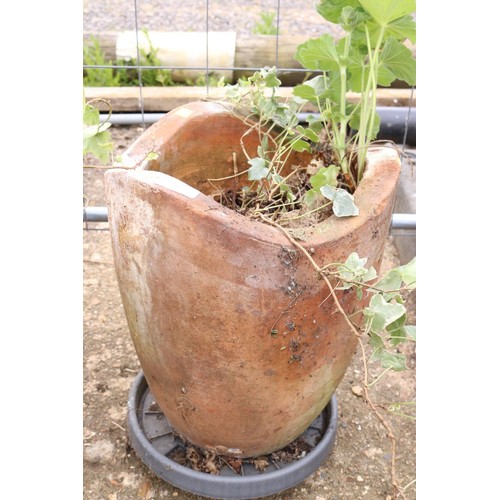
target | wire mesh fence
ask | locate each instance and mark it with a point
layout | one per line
(269, 38)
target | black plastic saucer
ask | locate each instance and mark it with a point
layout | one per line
(153, 438)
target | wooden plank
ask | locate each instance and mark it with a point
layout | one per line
(163, 99)
(258, 51)
(255, 51)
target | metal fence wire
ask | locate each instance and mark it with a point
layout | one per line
(403, 117)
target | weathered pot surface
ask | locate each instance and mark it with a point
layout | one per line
(203, 286)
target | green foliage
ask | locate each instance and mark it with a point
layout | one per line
(127, 76)
(384, 318)
(96, 136)
(369, 55)
(98, 77)
(266, 25)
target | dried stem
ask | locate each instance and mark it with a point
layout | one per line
(390, 435)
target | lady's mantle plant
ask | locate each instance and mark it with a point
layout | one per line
(371, 54)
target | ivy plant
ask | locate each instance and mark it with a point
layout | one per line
(369, 55)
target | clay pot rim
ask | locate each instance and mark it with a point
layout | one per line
(382, 171)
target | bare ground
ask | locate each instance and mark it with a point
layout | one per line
(358, 466)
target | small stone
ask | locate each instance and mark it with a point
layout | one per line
(175, 493)
(99, 452)
(357, 390)
(359, 479)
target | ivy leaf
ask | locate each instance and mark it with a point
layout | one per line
(393, 361)
(411, 331)
(311, 196)
(385, 11)
(397, 331)
(258, 169)
(272, 80)
(301, 146)
(325, 176)
(343, 202)
(396, 362)
(354, 270)
(390, 282)
(398, 59)
(311, 135)
(382, 313)
(314, 123)
(318, 54)
(409, 273)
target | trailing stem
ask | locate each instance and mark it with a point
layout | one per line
(399, 490)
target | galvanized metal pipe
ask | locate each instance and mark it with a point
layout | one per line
(399, 221)
(396, 123)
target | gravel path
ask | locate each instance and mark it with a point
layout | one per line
(296, 16)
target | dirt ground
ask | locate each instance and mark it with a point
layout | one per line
(358, 466)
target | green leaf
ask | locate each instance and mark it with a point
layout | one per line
(90, 115)
(355, 123)
(92, 130)
(311, 196)
(396, 330)
(325, 176)
(318, 54)
(99, 145)
(382, 313)
(301, 146)
(354, 270)
(357, 70)
(314, 89)
(343, 202)
(258, 169)
(385, 11)
(408, 273)
(355, 262)
(376, 341)
(311, 135)
(371, 274)
(398, 59)
(152, 155)
(305, 91)
(393, 361)
(331, 10)
(402, 29)
(272, 80)
(411, 331)
(390, 282)
(314, 123)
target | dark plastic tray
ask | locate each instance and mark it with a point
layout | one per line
(152, 438)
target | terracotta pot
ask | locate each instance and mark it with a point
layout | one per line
(203, 287)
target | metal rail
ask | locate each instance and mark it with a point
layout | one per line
(399, 221)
